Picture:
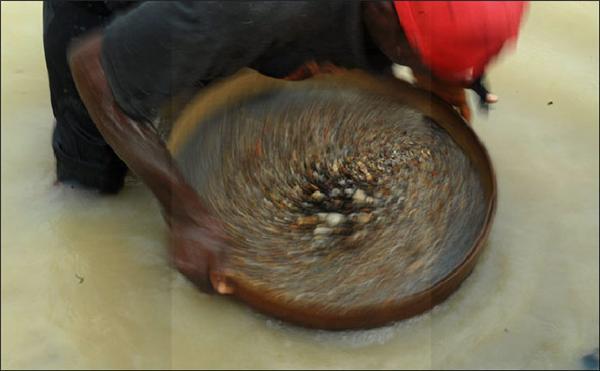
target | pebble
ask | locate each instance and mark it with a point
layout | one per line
(364, 218)
(317, 196)
(307, 220)
(349, 192)
(335, 219)
(359, 196)
(267, 202)
(335, 167)
(297, 190)
(322, 216)
(357, 236)
(322, 231)
(336, 192)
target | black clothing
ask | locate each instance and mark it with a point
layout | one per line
(157, 50)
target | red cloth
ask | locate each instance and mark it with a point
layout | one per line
(457, 39)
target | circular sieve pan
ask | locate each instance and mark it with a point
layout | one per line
(351, 200)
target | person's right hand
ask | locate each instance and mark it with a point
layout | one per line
(198, 243)
(198, 251)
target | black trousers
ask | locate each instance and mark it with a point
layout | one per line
(82, 154)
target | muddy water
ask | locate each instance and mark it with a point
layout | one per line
(86, 280)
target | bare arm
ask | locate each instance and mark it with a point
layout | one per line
(197, 243)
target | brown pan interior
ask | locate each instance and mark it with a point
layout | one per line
(248, 84)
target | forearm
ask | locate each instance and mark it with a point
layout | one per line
(138, 145)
